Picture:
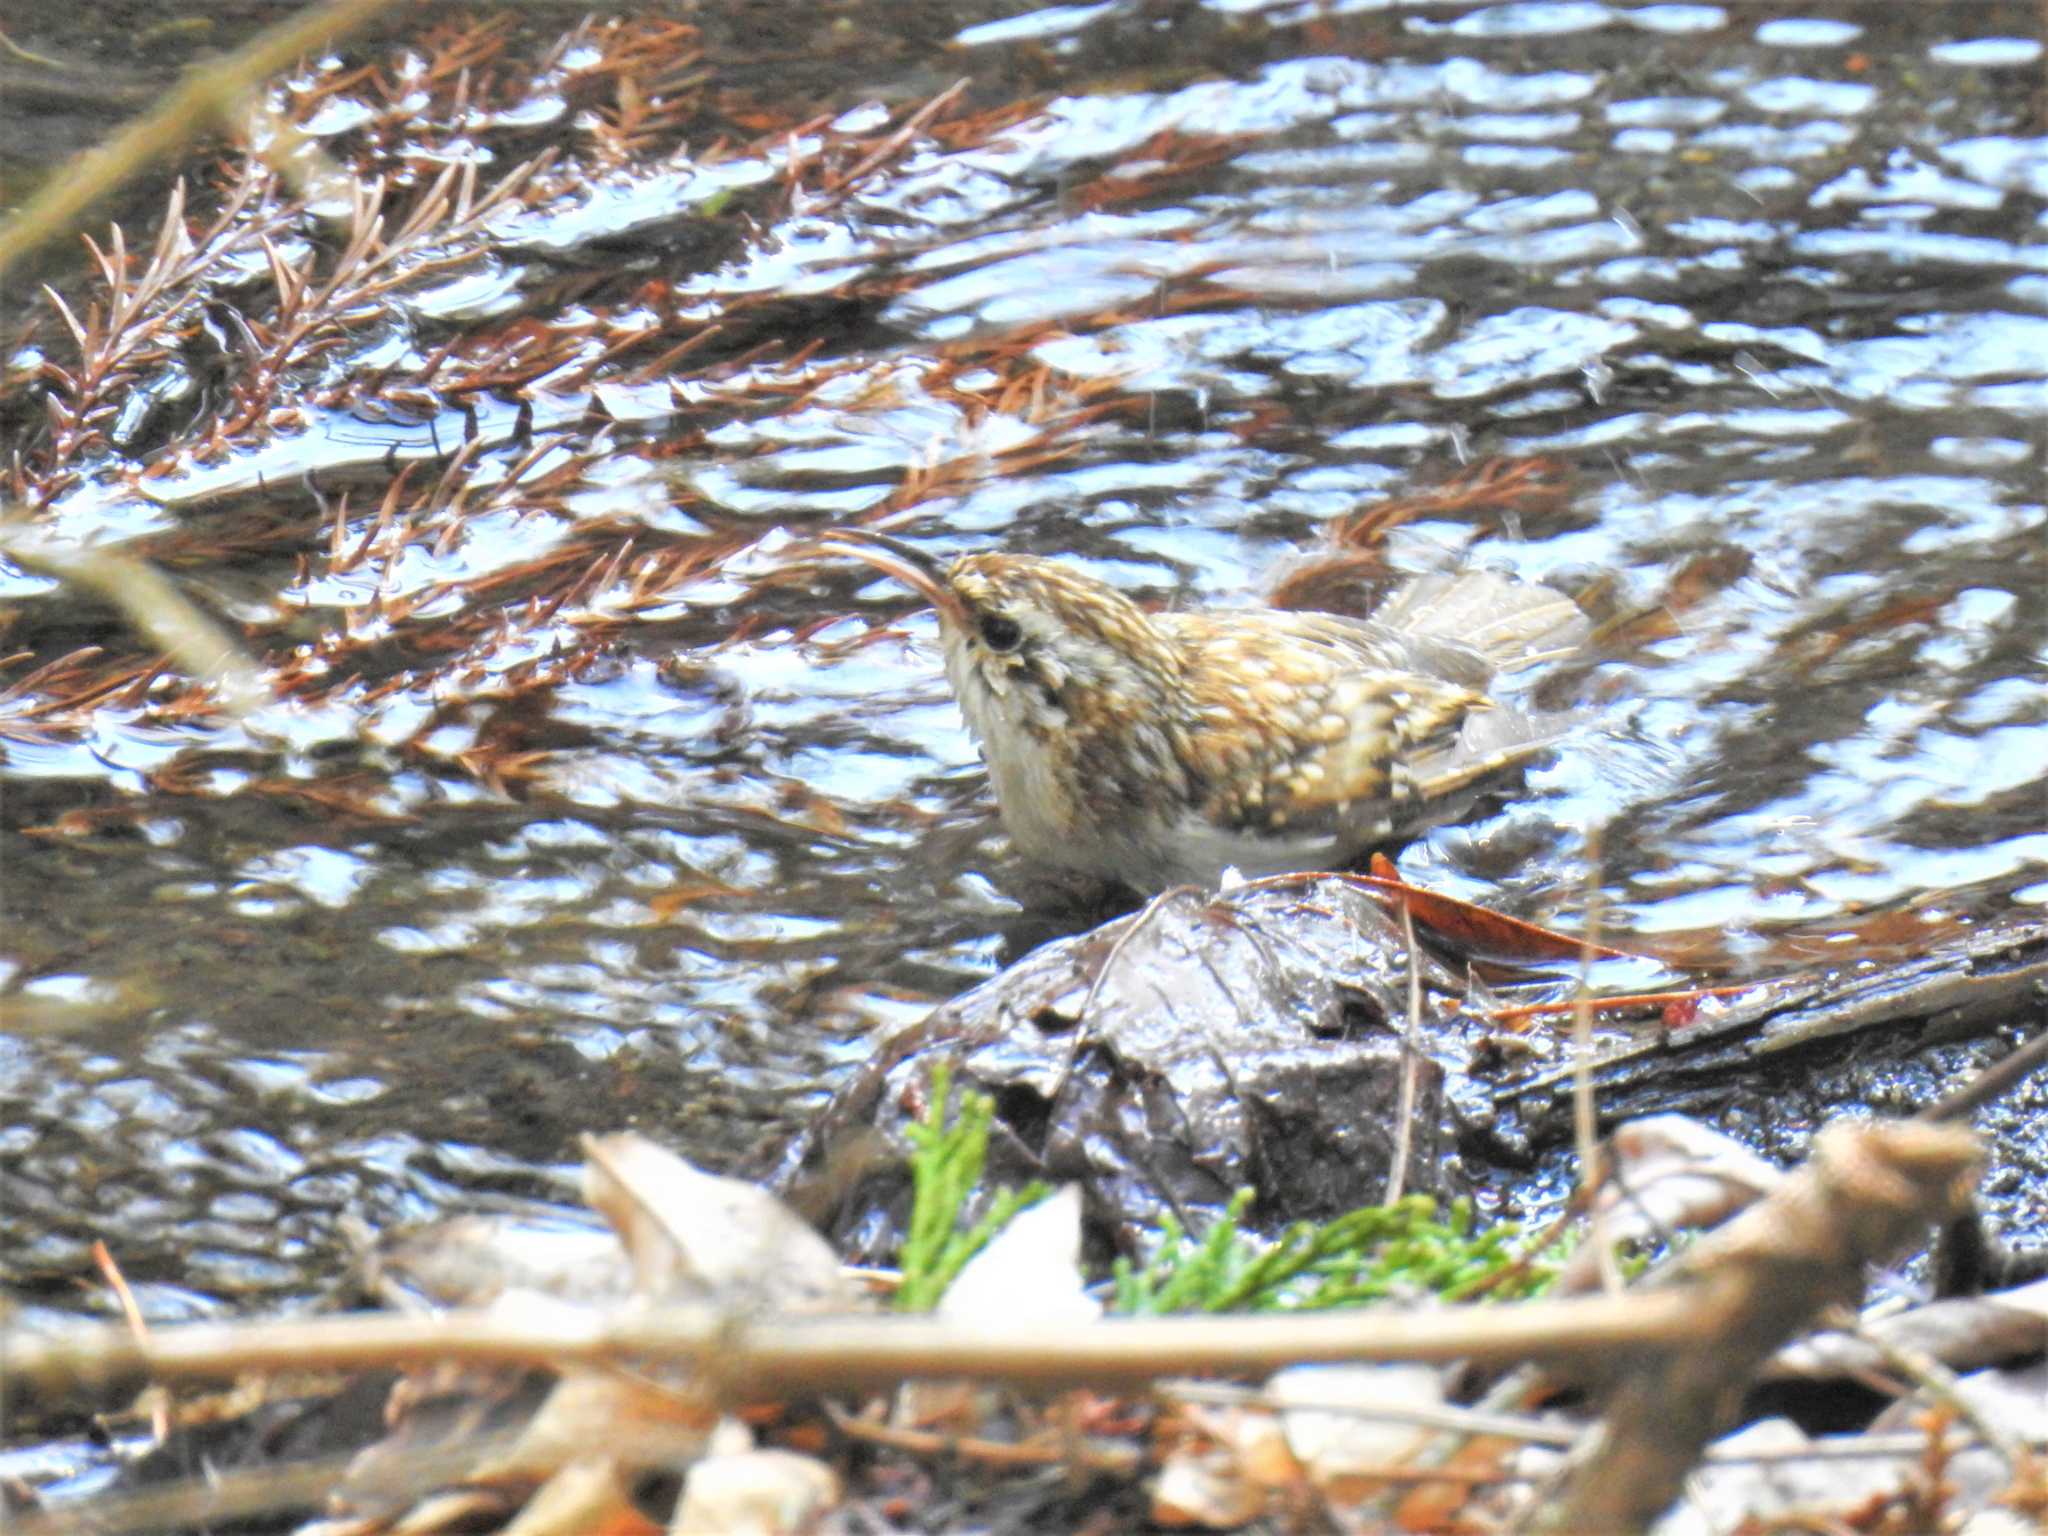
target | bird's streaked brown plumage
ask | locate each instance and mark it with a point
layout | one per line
(1162, 749)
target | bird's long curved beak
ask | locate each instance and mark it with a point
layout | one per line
(908, 564)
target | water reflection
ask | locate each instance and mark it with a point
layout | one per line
(1773, 291)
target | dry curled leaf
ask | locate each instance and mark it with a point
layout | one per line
(754, 1493)
(698, 1236)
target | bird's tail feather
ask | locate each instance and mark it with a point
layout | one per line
(1512, 623)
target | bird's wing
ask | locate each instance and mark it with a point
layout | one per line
(1297, 721)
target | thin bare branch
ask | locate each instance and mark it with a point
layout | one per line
(208, 92)
(762, 1358)
(152, 605)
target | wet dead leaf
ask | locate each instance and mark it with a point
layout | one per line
(667, 905)
(698, 1236)
(1335, 1434)
(1164, 1059)
(1474, 930)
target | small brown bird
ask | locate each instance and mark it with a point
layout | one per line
(1162, 749)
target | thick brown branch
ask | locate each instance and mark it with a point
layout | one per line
(1867, 1192)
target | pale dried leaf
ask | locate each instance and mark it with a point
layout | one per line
(695, 1236)
(729, 1437)
(2031, 1299)
(1723, 1496)
(1258, 1440)
(1206, 1488)
(471, 1261)
(1999, 1522)
(1962, 1332)
(754, 1493)
(1335, 1424)
(1670, 1171)
(1029, 1273)
(638, 1423)
(587, 1495)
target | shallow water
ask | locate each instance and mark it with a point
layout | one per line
(1771, 282)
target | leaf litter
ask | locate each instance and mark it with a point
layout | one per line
(370, 471)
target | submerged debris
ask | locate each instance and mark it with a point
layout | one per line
(472, 399)
(557, 1394)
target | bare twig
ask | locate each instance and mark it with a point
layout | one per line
(1934, 1380)
(1999, 1078)
(763, 1358)
(209, 91)
(149, 601)
(1411, 1064)
(225, 1495)
(1098, 1456)
(1867, 1192)
(1078, 1041)
(1585, 1122)
(131, 1314)
(1470, 1422)
(22, 53)
(899, 140)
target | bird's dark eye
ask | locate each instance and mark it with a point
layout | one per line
(999, 633)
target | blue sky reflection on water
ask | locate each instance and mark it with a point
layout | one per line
(1782, 314)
